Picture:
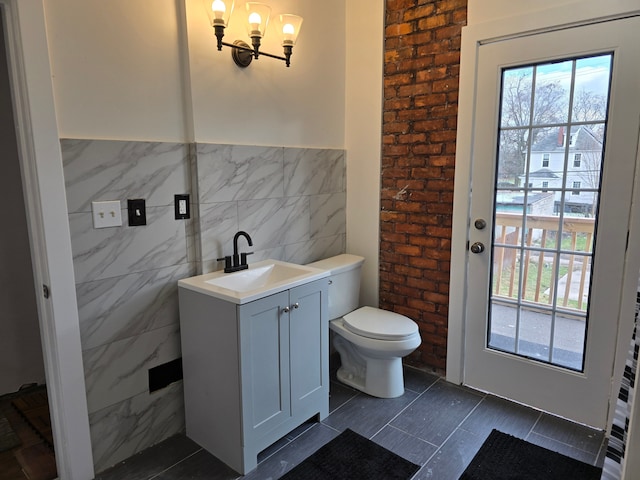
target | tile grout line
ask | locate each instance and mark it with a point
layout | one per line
(438, 447)
(533, 426)
(484, 397)
(595, 456)
(569, 445)
(603, 449)
(157, 475)
(405, 408)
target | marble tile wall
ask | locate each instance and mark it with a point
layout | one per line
(126, 284)
(290, 200)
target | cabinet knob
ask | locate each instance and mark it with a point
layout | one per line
(286, 309)
(295, 305)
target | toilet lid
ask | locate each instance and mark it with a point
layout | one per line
(379, 324)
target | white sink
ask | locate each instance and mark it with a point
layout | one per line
(259, 280)
(257, 277)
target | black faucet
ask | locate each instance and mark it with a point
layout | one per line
(237, 261)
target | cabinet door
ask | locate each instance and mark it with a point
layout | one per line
(264, 364)
(309, 348)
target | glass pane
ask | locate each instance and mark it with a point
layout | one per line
(547, 156)
(535, 334)
(584, 164)
(516, 97)
(539, 258)
(512, 157)
(546, 200)
(503, 327)
(591, 89)
(568, 345)
(506, 280)
(551, 95)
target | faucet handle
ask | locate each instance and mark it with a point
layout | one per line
(243, 257)
(227, 261)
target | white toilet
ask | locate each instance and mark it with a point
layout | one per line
(371, 342)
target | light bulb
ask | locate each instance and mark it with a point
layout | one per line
(288, 31)
(255, 20)
(290, 28)
(219, 8)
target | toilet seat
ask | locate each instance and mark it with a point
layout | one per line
(379, 324)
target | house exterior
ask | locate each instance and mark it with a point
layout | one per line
(581, 177)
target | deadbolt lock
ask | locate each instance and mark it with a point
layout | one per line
(480, 223)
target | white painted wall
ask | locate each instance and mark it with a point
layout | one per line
(116, 69)
(363, 137)
(482, 11)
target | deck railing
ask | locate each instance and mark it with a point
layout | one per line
(540, 254)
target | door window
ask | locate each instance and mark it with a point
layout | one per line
(544, 238)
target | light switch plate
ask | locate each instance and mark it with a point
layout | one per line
(137, 211)
(182, 207)
(106, 214)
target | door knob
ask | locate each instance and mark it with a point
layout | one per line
(477, 247)
(286, 309)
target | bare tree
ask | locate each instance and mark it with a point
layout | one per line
(517, 115)
(589, 106)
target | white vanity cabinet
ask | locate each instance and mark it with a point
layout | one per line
(254, 371)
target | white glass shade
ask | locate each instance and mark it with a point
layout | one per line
(289, 28)
(257, 18)
(218, 11)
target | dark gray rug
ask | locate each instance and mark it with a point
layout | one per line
(505, 457)
(8, 438)
(351, 456)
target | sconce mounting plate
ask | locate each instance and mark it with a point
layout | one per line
(242, 57)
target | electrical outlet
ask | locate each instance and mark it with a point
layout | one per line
(106, 214)
(137, 212)
(182, 208)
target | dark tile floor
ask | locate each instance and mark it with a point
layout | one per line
(435, 424)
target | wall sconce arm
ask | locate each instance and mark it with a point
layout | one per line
(243, 54)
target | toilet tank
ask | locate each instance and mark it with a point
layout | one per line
(344, 287)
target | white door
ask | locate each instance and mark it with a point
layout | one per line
(553, 158)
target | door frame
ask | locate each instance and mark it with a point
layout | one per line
(473, 37)
(50, 239)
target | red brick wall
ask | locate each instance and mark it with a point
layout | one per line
(421, 69)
